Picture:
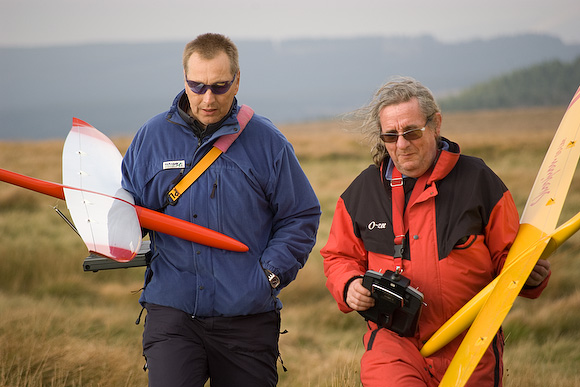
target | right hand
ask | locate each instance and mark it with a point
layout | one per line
(358, 297)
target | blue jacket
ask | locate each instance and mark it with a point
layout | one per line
(256, 192)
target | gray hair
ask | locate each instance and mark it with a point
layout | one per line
(395, 91)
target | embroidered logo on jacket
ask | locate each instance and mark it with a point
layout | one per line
(174, 164)
(379, 225)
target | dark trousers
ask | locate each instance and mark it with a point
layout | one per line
(181, 350)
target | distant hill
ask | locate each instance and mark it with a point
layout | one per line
(547, 84)
(117, 87)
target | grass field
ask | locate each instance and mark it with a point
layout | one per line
(60, 326)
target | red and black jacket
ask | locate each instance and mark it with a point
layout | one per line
(460, 230)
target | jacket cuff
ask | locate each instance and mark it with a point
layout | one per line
(535, 291)
(345, 291)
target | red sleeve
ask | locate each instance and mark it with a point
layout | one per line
(344, 255)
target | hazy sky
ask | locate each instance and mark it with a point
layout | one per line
(49, 22)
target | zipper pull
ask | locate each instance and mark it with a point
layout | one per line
(213, 190)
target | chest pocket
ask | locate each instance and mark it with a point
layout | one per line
(465, 242)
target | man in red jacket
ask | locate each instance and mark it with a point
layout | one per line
(443, 220)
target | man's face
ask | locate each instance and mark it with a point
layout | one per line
(411, 157)
(209, 108)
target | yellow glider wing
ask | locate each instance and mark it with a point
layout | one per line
(552, 183)
(539, 217)
(501, 298)
(536, 238)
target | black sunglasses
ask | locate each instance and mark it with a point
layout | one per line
(216, 88)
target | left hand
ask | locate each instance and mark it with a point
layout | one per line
(539, 274)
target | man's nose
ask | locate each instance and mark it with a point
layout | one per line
(402, 142)
(208, 96)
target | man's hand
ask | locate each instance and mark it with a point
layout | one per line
(539, 274)
(358, 297)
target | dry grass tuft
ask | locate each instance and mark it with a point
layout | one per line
(60, 326)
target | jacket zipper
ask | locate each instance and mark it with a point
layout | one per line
(212, 195)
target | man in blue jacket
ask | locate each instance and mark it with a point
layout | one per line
(214, 314)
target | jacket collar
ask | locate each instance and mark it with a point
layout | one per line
(444, 162)
(179, 107)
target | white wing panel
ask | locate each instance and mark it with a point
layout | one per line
(103, 213)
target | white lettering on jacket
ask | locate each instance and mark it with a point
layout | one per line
(372, 225)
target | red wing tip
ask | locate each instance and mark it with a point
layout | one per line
(116, 254)
(79, 122)
(575, 98)
(82, 127)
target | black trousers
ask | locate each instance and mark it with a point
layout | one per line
(230, 351)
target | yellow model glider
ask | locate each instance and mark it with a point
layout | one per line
(537, 238)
